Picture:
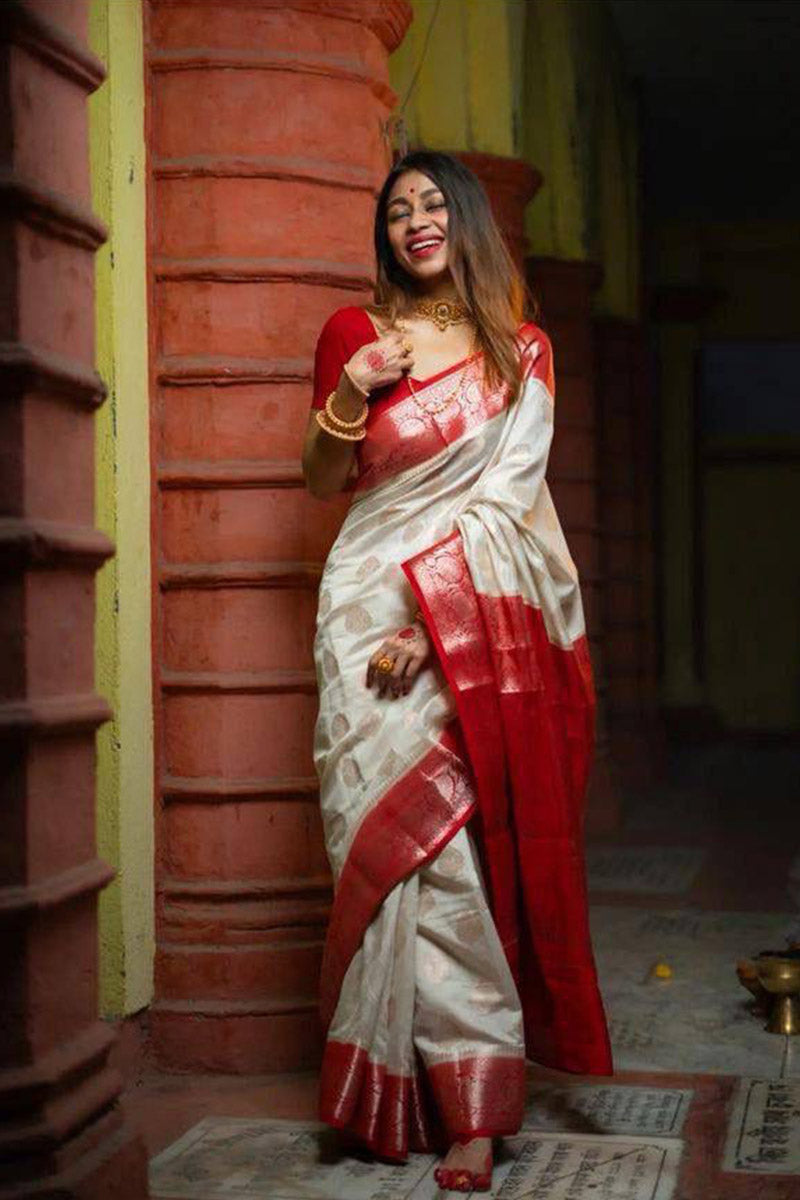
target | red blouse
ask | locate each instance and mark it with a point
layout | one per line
(345, 332)
(387, 445)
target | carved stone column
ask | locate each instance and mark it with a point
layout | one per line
(510, 184)
(266, 147)
(62, 1130)
(627, 515)
(564, 289)
(678, 313)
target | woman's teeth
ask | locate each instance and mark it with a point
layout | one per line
(424, 247)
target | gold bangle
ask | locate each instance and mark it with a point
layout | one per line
(338, 421)
(322, 421)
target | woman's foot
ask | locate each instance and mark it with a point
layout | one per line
(467, 1167)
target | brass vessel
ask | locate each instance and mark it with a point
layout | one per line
(780, 976)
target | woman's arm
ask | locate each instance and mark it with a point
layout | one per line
(327, 459)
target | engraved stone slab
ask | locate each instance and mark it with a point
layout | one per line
(612, 1108)
(644, 870)
(790, 1066)
(700, 1020)
(249, 1159)
(553, 1166)
(764, 1128)
(246, 1159)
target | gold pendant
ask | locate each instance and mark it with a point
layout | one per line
(442, 312)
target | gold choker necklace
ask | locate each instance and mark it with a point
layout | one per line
(442, 312)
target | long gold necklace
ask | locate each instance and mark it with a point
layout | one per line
(438, 405)
(442, 313)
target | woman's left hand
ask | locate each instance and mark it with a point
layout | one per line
(408, 651)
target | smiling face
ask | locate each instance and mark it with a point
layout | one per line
(416, 225)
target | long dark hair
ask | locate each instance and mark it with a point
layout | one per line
(484, 274)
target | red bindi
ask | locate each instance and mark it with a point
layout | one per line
(408, 632)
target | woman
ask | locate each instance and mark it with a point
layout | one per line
(456, 702)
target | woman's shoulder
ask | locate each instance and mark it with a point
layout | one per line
(531, 338)
(536, 352)
(344, 332)
(349, 322)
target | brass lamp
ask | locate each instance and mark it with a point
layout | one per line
(779, 974)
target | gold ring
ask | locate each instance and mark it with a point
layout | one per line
(407, 347)
(386, 666)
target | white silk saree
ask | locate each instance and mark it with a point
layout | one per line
(458, 944)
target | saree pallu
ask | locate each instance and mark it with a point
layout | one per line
(458, 944)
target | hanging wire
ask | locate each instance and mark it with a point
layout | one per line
(396, 129)
(421, 62)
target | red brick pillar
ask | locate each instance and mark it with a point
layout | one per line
(627, 467)
(266, 148)
(510, 185)
(63, 1132)
(564, 290)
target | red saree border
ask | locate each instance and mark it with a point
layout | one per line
(410, 430)
(407, 827)
(385, 1111)
(526, 709)
(406, 428)
(477, 1096)
(442, 585)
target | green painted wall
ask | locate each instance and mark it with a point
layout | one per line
(123, 633)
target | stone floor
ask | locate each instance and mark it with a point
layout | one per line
(705, 1104)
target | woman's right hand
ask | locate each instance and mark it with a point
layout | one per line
(380, 362)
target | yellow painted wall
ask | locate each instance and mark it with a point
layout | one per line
(751, 614)
(464, 93)
(750, 543)
(556, 218)
(543, 80)
(580, 128)
(123, 634)
(490, 77)
(749, 547)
